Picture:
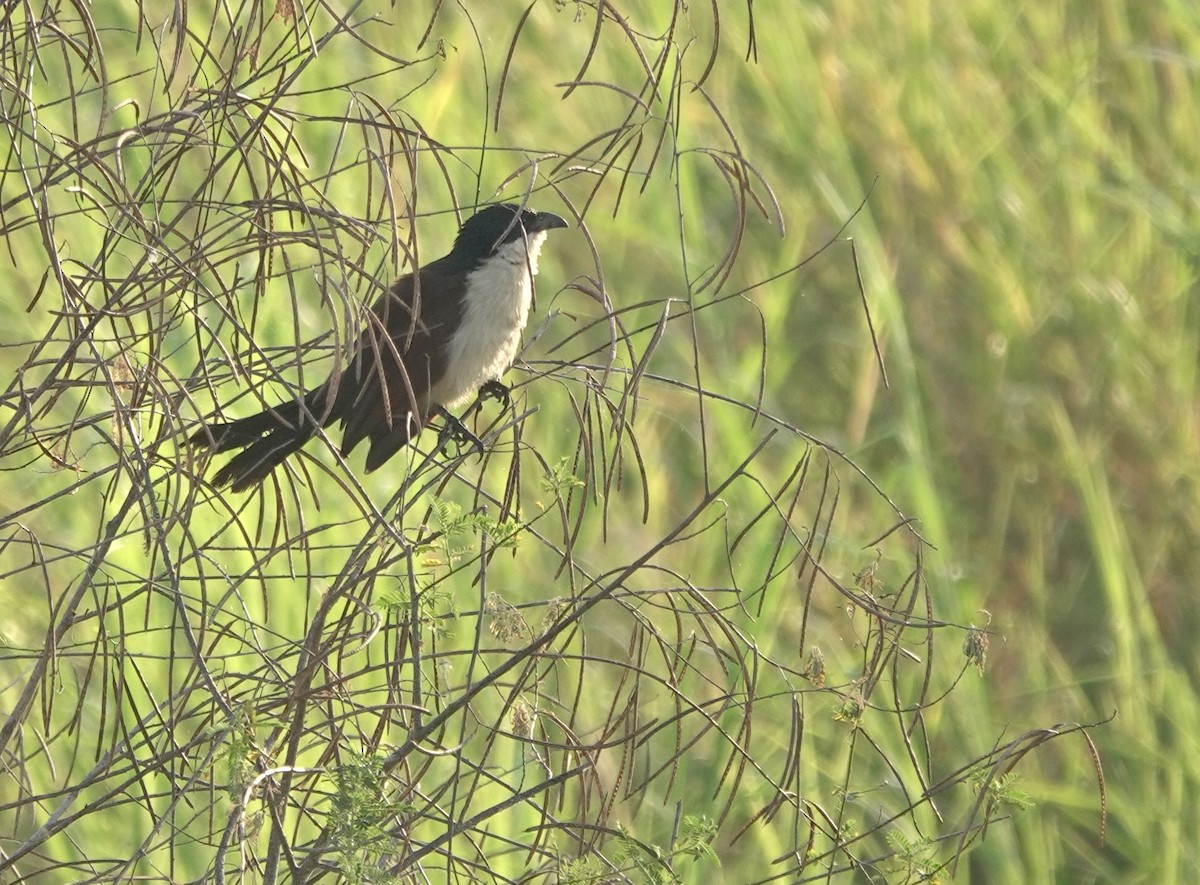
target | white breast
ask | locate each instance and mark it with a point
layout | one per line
(495, 312)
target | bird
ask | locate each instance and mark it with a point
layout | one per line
(439, 335)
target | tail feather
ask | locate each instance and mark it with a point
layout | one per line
(384, 446)
(222, 437)
(266, 439)
(254, 463)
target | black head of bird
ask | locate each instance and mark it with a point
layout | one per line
(437, 336)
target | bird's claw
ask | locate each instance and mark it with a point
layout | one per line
(454, 431)
(494, 389)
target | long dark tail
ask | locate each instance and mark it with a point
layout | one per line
(266, 439)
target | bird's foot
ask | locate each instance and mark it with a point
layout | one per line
(493, 389)
(454, 431)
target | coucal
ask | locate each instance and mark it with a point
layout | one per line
(436, 338)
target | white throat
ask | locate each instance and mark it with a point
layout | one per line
(495, 310)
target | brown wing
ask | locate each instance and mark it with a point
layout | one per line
(383, 395)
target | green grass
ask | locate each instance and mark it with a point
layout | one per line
(1028, 254)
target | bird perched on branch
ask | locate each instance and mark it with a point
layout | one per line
(437, 337)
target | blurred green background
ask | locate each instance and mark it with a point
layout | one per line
(1028, 250)
(1032, 236)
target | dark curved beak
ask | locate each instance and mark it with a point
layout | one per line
(546, 221)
